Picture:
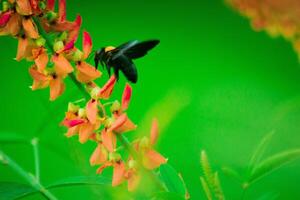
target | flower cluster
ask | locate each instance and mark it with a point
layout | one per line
(277, 17)
(47, 40)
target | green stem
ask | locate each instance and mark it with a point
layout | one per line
(34, 143)
(27, 176)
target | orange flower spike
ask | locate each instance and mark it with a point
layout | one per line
(30, 29)
(99, 156)
(57, 87)
(92, 111)
(61, 10)
(87, 44)
(62, 65)
(126, 97)
(24, 7)
(107, 89)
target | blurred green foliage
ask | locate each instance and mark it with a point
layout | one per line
(235, 85)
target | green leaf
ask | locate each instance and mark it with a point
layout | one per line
(166, 195)
(258, 153)
(172, 180)
(232, 173)
(206, 188)
(11, 191)
(272, 163)
(80, 180)
(217, 187)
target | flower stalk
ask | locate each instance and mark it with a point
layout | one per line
(32, 180)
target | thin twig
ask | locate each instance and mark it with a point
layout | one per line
(34, 143)
(27, 176)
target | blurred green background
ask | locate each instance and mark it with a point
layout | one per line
(228, 85)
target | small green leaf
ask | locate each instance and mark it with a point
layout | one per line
(81, 180)
(11, 191)
(217, 187)
(272, 163)
(172, 180)
(206, 188)
(258, 153)
(232, 173)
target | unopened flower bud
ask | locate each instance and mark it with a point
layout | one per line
(40, 42)
(108, 122)
(114, 157)
(116, 106)
(51, 16)
(5, 6)
(144, 142)
(42, 5)
(59, 45)
(77, 55)
(81, 113)
(73, 108)
(132, 164)
(94, 92)
(63, 36)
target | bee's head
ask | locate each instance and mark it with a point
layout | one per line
(109, 48)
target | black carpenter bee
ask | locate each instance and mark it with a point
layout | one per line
(121, 57)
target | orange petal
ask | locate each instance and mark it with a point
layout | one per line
(133, 182)
(107, 89)
(61, 10)
(118, 174)
(92, 111)
(24, 7)
(87, 44)
(36, 75)
(72, 131)
(154, 132)
(57, 87)
(99, 156)
(152, 159)
(122, 124)
(62, 65)
(13, 26)
(85, 131)
(22, 47)
(41, 58)
(87, 73)
(126, 96)
(50, 4)
(74, 32)
(30, 29)
(109, 140)
(105, 165)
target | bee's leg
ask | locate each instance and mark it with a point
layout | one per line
(108, 69)
(116, 72)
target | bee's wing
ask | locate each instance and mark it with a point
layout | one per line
(140, 49)
(123, 48)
